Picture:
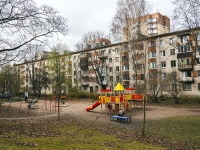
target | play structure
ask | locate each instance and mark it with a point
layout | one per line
(52, 104)
(124, 98)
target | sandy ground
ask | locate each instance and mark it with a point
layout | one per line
(78, 109)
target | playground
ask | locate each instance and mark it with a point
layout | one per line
(89, 112)
(106, 108)
(77, 109)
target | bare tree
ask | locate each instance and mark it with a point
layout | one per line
(130, 13)
(174, 88)
(8, 79)
(22, 23)
(58, 69)
(95, 60)
(88, 39)
(186, 16)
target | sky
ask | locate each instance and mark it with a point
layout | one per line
(93, 15)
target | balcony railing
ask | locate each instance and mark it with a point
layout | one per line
(187, 79)
(103, 56)
(185, 54)
(185, 67)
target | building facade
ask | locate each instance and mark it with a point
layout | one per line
(153, 59)
(164, 54)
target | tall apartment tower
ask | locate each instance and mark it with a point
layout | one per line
(148, 25)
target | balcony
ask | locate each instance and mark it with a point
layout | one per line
(185, 67)
(125, 53)
(103, 56)
(186, 79)
(125, 72)
(125, 82)
(184, 55)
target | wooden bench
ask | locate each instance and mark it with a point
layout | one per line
(120, 118)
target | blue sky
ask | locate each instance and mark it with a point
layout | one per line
(93, 15)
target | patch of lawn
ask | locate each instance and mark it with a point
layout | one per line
(52, 135)
(185, 128)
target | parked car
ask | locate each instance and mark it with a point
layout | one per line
(1, 95)
(6, 95)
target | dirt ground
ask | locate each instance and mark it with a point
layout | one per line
(78, 109)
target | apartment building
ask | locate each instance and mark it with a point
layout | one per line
(41, 69)
(165, 53)
(159, 54)
(148, 25)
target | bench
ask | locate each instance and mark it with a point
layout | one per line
(32, 106)
(120, 118)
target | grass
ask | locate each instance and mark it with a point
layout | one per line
(185, 128)
(61, 135)
(69, 133)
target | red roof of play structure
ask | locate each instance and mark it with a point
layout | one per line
(105, 90)
(130, 89)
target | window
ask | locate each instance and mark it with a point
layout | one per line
(85, 88)
(172, 51)
(142, 76)
(142, 56)
(125, 77)
(184, 61)
(109, 51)
(164, 87)
(184, 49)
(198, 60)
(152, 65)
(198, 86)
(117, 50)
(163, 64)
(110, 60)
(163, 75)
(198, 73)
(125, 68)
(117, 78)
(110, 69)
(171, 41)
(103, 61)
(111, 78)
(117, 59)
(173, 63)
(124, 58)
(151, 75)
(187, 87)
(162, 53)
(186, 74)
(126, 48)
(142, 66)
(117, 68)
(161, 43)
(152, 54)
(152, 44)
(184, 39)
